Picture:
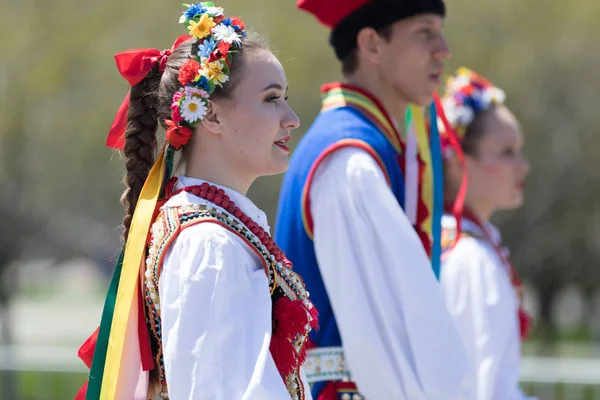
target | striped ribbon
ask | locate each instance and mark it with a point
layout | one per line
(117, 362)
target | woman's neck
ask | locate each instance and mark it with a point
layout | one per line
(217, 170)
(471, 209)
(480, 211)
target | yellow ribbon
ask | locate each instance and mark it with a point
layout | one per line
(123, 328)
(418, 118)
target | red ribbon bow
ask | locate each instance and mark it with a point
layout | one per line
(134, 65)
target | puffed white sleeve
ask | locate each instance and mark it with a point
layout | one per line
(482, 301)
(216, 319)
(399, 340)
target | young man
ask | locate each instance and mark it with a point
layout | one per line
(341, 218)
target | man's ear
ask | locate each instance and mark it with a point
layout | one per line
(368, 43)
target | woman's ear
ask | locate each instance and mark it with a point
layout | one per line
(211, 119)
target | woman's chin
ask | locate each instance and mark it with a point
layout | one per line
(516, 202)
(277, 167)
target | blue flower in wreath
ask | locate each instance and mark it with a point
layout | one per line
(194, 10)
(203, 84)
(206, 47)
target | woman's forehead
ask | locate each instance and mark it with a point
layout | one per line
(500, 132)
(264, 70)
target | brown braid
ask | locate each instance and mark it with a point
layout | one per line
(140, 142)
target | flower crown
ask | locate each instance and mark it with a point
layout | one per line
(466, 95)
(216, 39)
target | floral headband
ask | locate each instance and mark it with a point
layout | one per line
(468, 94)
(216, 39)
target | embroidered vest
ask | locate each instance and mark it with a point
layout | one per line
(286, 287)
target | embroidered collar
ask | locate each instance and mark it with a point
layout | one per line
(244, 203)
(468, 226)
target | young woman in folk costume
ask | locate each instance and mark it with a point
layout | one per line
(203, 304)
(482, 290)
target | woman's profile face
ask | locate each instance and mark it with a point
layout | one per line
(498, 170)
(257, 122)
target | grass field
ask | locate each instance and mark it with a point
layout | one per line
(43, 385)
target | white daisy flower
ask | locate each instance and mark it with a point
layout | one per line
(458, 83)
(449, 109)
(214, 11)
(493, 95)
(193, 109)
(451, 115)
(227, 34)
(464, 115)
(447, 103)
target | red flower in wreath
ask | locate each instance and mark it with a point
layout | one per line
(235, 21)
(188, 72)
(220, 53)
(223, 47)
(177, 118)
(178, 135)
